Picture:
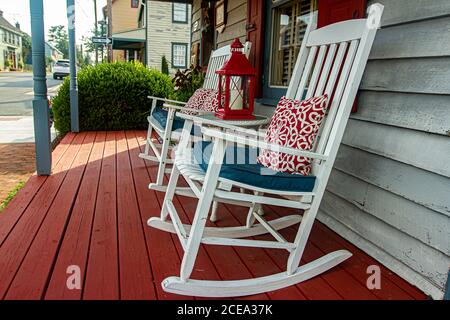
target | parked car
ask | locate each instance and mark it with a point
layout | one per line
(61, 69)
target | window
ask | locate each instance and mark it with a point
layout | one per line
(179, 12)
(289, 24)
(134, 3)
(179, 55)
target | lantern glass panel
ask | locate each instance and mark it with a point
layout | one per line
(235, 93)
(246, 91)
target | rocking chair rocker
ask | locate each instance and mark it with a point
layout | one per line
(331, 61)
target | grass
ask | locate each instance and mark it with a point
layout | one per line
(11, 195)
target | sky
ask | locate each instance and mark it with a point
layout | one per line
(54, 14)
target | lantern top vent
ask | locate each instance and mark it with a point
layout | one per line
(237, 63)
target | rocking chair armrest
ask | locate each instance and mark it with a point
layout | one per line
(166, 100)
(181, 108)
(252, 142)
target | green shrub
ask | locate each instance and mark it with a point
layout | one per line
(164, 65)
(186, 82)
(111, 96)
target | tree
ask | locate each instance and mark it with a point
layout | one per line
(164, 65)
(90, 47)
(26, 48)
(57, 36)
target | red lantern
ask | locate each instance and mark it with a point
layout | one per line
(236, 86)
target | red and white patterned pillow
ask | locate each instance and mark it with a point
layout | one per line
(211, 103)
(295, 124)
(202, 99)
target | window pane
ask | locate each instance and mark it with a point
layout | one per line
(289, 27)
(134, 3)
(180, 12)
(179, 55)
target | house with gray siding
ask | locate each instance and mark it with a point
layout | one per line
(389, 193)
(167, 33)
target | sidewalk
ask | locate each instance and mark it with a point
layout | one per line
(17, 154)
(18, 129)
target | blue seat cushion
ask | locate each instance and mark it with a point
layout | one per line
(160, 114)
(240, 165)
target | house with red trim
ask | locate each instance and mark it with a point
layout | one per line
(389, 190)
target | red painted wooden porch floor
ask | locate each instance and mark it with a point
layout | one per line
(92, 213)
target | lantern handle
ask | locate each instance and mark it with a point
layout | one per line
(237, 46)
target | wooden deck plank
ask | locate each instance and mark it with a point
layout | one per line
(388, 277)
(31, 279)
(204, 268)
(227, 262)
(23, 198)
(102, 271)
(75, 245)
(315, 288)
(16, 245)
(338, 277)
(328, 241)
(257, 260)
(161, 249)
(92, 213)
(136, 280)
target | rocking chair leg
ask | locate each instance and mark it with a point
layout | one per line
(213, 217)
(171, 188)
(255, 207)
(201, 213)
(301, 239)
(165, 147)
(147, 143)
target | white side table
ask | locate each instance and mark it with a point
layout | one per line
(212, 120)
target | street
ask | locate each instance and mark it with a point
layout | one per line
(16, 93)
(16, 108)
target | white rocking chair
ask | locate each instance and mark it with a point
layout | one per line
(332, 60)
(168, 127)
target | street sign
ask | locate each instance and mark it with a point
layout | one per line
(101, 40)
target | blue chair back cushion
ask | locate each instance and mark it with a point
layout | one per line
(240, 165)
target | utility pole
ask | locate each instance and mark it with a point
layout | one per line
(41, 114)
(110, 52)
(96, 31)
(74, 120)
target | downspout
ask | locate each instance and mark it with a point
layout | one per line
(146, 34)
(447, 288)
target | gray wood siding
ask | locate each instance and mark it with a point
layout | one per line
(236, 21)
(389, 192)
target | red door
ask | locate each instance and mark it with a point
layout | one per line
(255, 32)
(331, 11)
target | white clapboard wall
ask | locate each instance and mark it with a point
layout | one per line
(389, 192)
